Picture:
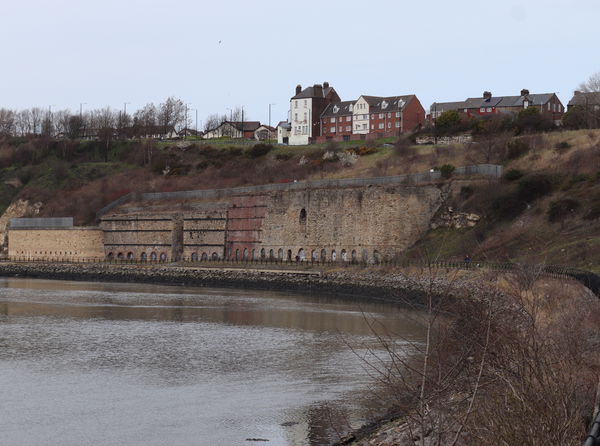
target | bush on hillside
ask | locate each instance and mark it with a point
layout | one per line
(562, 208)
(258, 150)
(446, 170)
(535, 186)
(513, 174)
(517, 148)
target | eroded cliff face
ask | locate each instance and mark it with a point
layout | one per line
(18, 208)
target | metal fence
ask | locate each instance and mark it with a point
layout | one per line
(41, 222)
(492, 170)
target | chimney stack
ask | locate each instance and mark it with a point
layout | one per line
(325, 84)
(298, 89)
(524, 92)
(318, 90)
(487, 95)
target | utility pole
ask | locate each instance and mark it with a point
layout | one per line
(270, 120)
(242, 122)
(81, 125)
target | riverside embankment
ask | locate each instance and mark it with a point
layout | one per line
(389, 283)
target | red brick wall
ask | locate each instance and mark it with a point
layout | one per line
(344, 124)
(413, 115)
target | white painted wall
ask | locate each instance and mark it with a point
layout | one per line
(300, 117)
(360, 117)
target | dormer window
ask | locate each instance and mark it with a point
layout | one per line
(350, 107)
(384, 105)
(336, 109)
(401, 103)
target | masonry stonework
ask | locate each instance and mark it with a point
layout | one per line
(55, 244)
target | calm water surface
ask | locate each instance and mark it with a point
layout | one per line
(125, 364)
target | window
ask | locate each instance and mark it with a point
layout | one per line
(549, 106)
(389, 115)
(303, 217)
(397, 114)
(389, 125)
(332, 120)
(525, 104)
(397, 125)
(295, 104)
(372, 126)
(295, 116)
(365, 116)
(350, 107)
(332, 129)
(381, 125)
(340, 119)
(348, 118)
(489, 109)
(482, 109)
(305, 103)
(305, 116)
(364, 126)
(373, 116)
(381, 115)
(348, 128)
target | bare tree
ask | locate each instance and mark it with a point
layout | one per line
(171, 113)
(61, 121)
(212, 121)
(37, 115)
(24, 123)
(7, 121)
(592, 85)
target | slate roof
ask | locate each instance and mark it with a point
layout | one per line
(309, 92)
(494, 101)
(584, 99)
(284, 124)
(338, 109)
(441, 107)
(390, 103)
(248, 126)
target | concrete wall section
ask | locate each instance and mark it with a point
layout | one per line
(55, 244)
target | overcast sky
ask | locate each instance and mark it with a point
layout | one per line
(227, 53)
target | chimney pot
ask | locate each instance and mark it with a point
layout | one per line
(298, 88)
(524, 92)
(325, 84)
(487, 95)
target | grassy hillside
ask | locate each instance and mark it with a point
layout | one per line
(547, 207)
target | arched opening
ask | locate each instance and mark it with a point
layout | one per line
(215, 256)
(254, 254)
(194, 257)
(344, 255)
(313, 255)
(301, 255)
(120, 256)
(163, 257)
(262, 253)
(354, 256)
(153, 257)
(289, 255)
(130, 256)
(245, 253)
(237, 254)
(143, 257)
(333, 256)
(280, 254)
(110, 256)
(323, 255)
(271, 254)
(376, 256)
(303, 216)
(204, 256)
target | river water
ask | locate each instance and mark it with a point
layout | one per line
(126, 364)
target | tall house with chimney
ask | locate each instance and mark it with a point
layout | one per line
(306, 108)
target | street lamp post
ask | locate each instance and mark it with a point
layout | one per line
(270, 121)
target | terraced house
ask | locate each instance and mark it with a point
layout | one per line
(487, 104)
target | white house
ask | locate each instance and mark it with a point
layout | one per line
(305, 112)
(283, 132)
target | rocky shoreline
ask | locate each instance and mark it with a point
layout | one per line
(356, 282)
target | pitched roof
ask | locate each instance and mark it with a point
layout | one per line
(246, 126)
(585, 98)
(338, 109)
(312, 92)
(510, 101)
(284, 124)
(440, 107)
(381, 103)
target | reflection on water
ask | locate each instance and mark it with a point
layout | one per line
(108, 364)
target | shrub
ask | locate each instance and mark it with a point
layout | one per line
(513, 174)
(258, 150)
(466, 192)
(283, 156)
(446, 170)
(535, 186)
(517, 148)
(366, 150)
(563, 145)
(562, 208)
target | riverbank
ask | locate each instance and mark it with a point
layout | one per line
(375, 282)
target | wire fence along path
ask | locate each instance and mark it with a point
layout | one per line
(588, 279)
(490, 170)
